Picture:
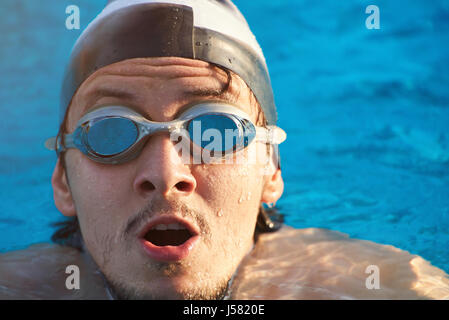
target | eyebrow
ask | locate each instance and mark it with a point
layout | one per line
(124, 94)
(207, 92)
(223, 94)
(102, 92)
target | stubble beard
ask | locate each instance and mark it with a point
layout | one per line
(125, 291)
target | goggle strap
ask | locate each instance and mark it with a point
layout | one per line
(50, 144)
(54, 144)
(270, 135)
(68, 141)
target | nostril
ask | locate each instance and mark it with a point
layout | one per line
(147, 186)
(184, 186)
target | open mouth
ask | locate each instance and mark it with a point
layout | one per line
(173, 234)
(169, 238)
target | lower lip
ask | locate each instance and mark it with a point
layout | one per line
(169, 253)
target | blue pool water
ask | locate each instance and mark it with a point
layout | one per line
(366, 112)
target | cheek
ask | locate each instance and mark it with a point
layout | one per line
(100, 198)
(94, 183)
(233, 193)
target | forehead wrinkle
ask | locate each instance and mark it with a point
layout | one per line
(107, 91)
(103, 75)
(101, 87)
(165, 61)
(161, 72)
(166, 72)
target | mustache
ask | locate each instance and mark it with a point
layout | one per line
(159, 207)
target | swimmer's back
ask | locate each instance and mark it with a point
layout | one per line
(39, 272)
(323, 264)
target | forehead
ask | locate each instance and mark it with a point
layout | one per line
(160, 87)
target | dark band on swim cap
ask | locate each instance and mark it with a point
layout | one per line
(163, 30)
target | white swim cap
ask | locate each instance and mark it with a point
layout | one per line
(210, 30)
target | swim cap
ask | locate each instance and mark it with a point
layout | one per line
(210, 30)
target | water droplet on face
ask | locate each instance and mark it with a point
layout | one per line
(249, 196)
(220, 213)
(244, 171)
(241, 199)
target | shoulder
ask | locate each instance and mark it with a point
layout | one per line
(38, 272)
(323, 264)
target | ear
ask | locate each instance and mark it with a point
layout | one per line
(274, 187)
(61, 191)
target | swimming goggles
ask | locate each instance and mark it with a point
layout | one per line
(117, 134)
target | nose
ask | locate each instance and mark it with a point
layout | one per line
(160, 169)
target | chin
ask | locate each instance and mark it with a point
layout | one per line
(167, 289)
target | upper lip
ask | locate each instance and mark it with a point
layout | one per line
(167, 219)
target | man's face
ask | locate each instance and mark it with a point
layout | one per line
(114, 203)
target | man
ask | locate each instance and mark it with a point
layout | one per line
(159, 208)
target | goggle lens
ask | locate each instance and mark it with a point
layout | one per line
(111, 136)
(213, 132)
